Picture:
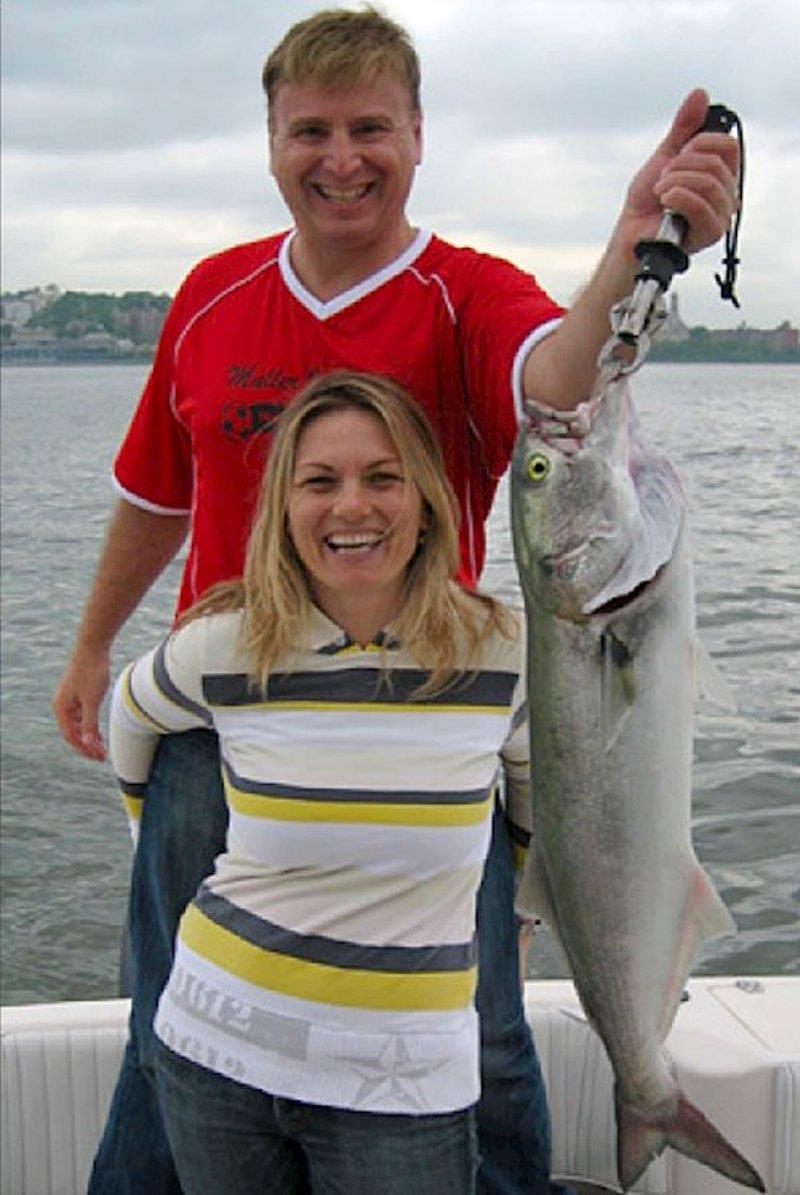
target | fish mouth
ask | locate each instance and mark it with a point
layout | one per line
(623, 600)
(618, 603)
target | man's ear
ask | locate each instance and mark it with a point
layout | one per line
(416, 125)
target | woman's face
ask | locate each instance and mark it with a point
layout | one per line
(353, 515)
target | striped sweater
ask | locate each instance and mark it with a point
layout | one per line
(331, 956)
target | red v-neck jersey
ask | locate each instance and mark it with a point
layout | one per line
(451, 325)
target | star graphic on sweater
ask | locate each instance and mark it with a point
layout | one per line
(392, 1076)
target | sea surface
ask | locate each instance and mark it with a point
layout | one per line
(733, 432)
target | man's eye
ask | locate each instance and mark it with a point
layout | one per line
(309, 132)
(371, 130)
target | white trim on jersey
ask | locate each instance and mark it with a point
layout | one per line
(324, 311)
(527, 346)
(143, 504)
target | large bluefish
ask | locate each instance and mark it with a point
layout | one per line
(601, 543)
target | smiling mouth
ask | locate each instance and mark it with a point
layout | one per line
(353, 543)
(342, 195)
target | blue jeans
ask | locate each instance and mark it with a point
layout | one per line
(183, 827)
(229, 1137)
(182, 831)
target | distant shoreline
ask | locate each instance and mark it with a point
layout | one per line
(40, 362)
(45, 326)
(685, 353)
(659, 355)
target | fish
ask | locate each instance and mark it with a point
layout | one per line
(602, 546)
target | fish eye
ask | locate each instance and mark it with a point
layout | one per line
(538, 466)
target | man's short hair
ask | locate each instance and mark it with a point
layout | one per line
(339, 46)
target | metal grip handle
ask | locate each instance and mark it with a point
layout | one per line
(663, 257)
(719, 119)
(635, 318)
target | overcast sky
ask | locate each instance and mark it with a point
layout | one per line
(134, 133)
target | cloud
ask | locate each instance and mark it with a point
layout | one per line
(113, 73)
(613, 66)
(134, 131)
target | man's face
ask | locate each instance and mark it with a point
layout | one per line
(344, 160)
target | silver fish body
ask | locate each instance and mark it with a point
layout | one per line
(602, 547)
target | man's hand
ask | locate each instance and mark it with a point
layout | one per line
(692, 173)
(525, 933)
(77, 701)
(138, 546)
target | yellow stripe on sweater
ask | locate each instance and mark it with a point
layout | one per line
(133, 806)
(364, 812)
(324, 984)
(369, 707)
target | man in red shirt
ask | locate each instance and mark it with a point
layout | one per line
(353, 285)
(244, 333)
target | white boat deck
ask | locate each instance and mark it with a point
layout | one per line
(735, 1044)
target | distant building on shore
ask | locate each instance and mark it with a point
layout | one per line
(776, 339)
(43, 324)
(780, 339)
(16, 310)
(675, 341)
(673, 329)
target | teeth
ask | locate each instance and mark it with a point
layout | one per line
(342, 195)
(353, 541)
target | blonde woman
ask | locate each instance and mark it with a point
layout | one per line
(317, 1032)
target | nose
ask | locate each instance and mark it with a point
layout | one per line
(343, 155)
(352, 501)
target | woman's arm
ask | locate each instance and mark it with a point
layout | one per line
(160, 693)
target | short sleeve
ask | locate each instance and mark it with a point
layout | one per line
(505, 313)
(154, 467)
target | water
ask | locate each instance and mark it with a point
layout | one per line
(734, 433)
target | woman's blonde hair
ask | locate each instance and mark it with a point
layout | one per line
(439, 623)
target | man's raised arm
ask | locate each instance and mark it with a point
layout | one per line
(138, 547)
(694, 174)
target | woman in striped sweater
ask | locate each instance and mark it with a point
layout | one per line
(317, 1033)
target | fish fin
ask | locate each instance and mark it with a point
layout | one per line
(642, 1137)
(710, 684)
(705, 916)
(710, 914)
(617, 687)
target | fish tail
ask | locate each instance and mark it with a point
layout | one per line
(641, 1138)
